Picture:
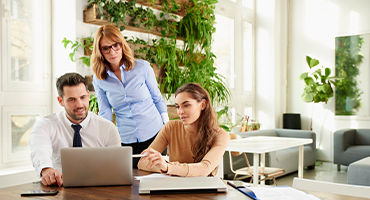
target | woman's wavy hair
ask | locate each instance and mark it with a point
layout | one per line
(98, 62)
(207, 121)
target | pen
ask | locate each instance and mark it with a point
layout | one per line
(139, 155)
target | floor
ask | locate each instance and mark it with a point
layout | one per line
(325, 172)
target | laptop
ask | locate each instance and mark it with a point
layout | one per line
(175, 185)
(96, 166)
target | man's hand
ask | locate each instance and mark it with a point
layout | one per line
(51, 176)
(154, 159)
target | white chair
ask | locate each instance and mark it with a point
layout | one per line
(334, 188)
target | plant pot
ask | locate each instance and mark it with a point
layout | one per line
(172, 112)
(158, 4)
(89, 80)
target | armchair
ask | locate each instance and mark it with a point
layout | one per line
(351, 145)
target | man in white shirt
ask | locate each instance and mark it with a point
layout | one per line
(55, 131)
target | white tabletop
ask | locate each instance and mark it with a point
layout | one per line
(264, 144)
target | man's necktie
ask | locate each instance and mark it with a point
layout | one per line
(77, 137)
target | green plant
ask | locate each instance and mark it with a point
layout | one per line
(196, 27)
(86, 43)
(116, 11)
(224, 119)
(93, 107)
(93, 104)
(191, 62)
(318, 83)
(347, 61)
(251, 125)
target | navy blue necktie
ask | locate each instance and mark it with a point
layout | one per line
(77, 137)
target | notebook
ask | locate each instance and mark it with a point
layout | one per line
(181, 185)
(96, 166)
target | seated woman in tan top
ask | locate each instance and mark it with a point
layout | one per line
(196, 144)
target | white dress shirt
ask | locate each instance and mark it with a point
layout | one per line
(54, 132)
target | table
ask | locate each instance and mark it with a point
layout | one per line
(132, 192)
(110, 192)
(329, 196)
(264, 144)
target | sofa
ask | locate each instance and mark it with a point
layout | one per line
(358, 172)
(351, 145)
(286, 158)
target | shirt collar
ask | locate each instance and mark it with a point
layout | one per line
(83, 124)
(110, 73)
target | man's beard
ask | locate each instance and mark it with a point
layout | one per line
(77, 117)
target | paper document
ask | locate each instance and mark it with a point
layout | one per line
(281, 193)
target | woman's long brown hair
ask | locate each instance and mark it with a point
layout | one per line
(207, 121)
(98, 62)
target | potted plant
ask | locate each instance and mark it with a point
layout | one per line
(318, 83)
(247, 125)
(224, 119)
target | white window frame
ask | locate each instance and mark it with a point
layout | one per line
(240, 98)
(7, 112)
(42, 60)
(22, 98)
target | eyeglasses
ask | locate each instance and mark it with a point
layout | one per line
(115, 47)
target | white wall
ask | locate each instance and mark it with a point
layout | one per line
(271, 57)
(313, 26)
(63, 24)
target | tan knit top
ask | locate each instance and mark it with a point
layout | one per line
(179, 140)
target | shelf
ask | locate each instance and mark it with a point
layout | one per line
(92, 15)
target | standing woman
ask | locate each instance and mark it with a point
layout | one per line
(196, 143)
(128, 86)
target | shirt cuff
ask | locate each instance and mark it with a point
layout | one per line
(165, 118)
(39, 170)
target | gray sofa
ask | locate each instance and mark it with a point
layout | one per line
(351, 145)
(359, 172)
(286, 158)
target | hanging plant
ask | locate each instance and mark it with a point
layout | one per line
(191, 62)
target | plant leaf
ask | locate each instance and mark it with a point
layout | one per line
(307, 95)
(303, 76)
(327, 72)
(308, 60)
(309, 81)
(326, 88)
(227, 129)
(313, 63)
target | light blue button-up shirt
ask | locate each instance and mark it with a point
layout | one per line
(136, 101)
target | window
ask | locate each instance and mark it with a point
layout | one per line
(223, 46)
(23, 59)
(25, 83)
(233, 47)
